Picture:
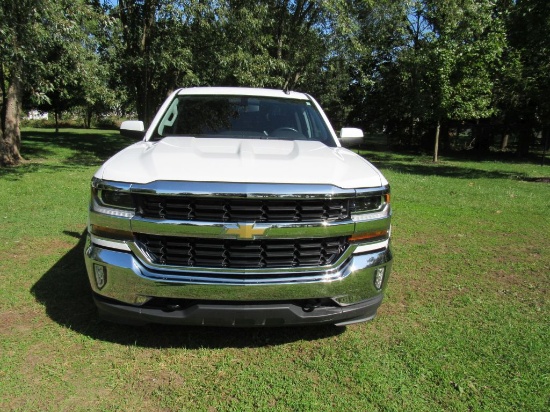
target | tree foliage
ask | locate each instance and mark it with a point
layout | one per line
(43, 43)
(408, 68)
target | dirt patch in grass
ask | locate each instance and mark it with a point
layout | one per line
(531, 290)
(18, 323)
(24, 250)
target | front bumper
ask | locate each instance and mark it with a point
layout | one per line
(239, 315)
(135, 293)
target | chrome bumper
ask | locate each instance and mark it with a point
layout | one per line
(131, 285)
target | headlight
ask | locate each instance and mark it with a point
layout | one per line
(371, 213)
(111, 199)
(370, 207)
(116, 199)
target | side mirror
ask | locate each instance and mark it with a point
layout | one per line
(133, 129)
(351, 136)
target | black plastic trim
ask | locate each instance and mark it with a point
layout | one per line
(240, 314)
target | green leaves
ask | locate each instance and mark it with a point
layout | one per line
(439, 62)
(392, 65)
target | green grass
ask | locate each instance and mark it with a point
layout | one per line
(464, 325)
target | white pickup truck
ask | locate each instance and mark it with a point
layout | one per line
(239, 207)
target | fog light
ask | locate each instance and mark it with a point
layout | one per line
(379, 277)
(141, 300)
(100, 273)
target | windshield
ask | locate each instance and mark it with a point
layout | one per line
(243, 117)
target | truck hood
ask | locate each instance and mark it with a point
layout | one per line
(242, 161)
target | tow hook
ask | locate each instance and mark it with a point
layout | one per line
(311, 304)
(171, 308)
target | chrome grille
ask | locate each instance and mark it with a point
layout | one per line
(230, 253)
(242, 210)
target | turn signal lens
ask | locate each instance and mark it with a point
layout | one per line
(369, 236)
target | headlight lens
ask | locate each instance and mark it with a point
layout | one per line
(370, 207)
(116, 199)
(111, 201)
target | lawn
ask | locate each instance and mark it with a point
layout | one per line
(464, 325)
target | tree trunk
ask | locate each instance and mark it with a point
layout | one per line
(504, 142)
(10, 140)
(546, 141)
(436, 145)
(88, 117)
(3, 97)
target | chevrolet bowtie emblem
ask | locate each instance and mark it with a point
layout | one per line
(246, 231)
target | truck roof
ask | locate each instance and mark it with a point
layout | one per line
(242, 91)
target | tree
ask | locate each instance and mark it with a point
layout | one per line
(16, 29)
(155, 56)
(385, 63)
(77, 76)
(31, 30)
(298, 32)
(274, 44)
(525, 92)
(468, 43)
(427, 62)
(242, 47)
(166, 44)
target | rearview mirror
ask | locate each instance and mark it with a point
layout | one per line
(351, 136)
(133, 129)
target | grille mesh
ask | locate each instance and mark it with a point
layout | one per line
(230, 253)
(242, 210)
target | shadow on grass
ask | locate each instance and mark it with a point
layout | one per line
(414, 166)
(47, 151)
(17, 172)
(96, 144)
(443, 170)
(382, 144)
(65, 292)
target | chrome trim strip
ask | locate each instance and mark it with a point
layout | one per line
(242, 190)
(110, 185)
(371, 191)
(188, 278)
(111, 244)
(371, 247)
(239, 190)
(220, 230)
(365, 226)
(110, 221)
